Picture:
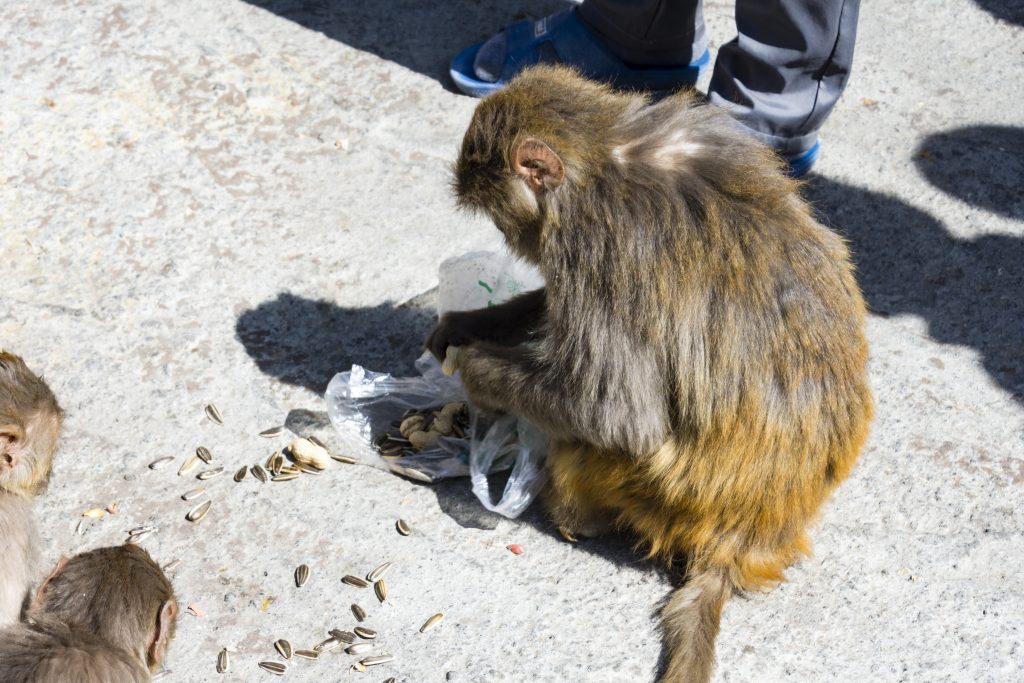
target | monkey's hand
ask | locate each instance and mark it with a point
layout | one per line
(451, 330)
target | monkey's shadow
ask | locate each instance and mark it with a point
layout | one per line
(421, 36)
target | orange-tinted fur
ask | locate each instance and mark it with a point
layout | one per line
(698, 355)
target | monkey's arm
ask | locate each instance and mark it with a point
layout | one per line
(616, 405)
(509, 323)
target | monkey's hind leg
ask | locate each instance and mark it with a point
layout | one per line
(572, 496)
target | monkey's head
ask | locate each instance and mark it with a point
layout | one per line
(542, 136)
(118, 593)
(30, 420)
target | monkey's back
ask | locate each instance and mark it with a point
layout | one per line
(760, 337)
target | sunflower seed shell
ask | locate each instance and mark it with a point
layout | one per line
(161, 462)
(381, 589)
(204, 454)
(365, 633)
(284, 648)
(346, 637)
(402, 527)
(199, 511)
(214, 414)
(259, 473)
(359, 612)
(274, 667)
(301, 575)
(272, 432)
(223, 661)
(354, 581)
(379, 572)
(431, 622)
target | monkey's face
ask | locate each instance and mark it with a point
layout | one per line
(513, 184)
(26, 454)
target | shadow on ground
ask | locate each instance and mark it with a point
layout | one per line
(979, 165)
(968, 290)
(1008, 10)
(305, 341)
(421, 36)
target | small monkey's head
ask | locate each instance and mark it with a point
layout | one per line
(118, 593)
(542, 136)
(30, 420)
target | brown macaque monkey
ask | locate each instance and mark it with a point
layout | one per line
(697, 355)
(104, 616)
(30, 421)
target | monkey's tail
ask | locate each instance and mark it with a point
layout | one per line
(691, 620)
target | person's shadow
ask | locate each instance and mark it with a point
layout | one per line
(421, 36)
(969, 290)
(1011, 11)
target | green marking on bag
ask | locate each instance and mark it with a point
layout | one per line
(485, 286)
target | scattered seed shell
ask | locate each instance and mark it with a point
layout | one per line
(346, 637)
(276, 464)
(431, 622)
(285, 476)
(210, 474)
(391, 680)
(223, 661)
(204, 454)
(195, 610)
(161, 462)
(171, 566)
(344, 459)
(379, 572)
(327, 645)
(214, 414)
(259, 473)
(94, 513)
(403, 528)
(307, 469)
(358, 612)
(241, 474)
(377, 659)
(272, 432)
(301, 575)
(135, 539)
(199, 511)
(194, 493)
(317, 442)
(271, 459)
(284, 648)
(188, 465)
(274, 667)
(365, 633)
(139, 530)
(359, 667)
(354, 581)
(381, 589)
(307, 654)
(359, 648)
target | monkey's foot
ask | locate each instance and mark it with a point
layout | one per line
(561, 38)
(568, 535)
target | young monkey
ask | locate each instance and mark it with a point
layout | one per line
(104, 616)
(30, 421)
(697, 356)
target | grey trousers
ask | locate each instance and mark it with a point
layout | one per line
(780, 76)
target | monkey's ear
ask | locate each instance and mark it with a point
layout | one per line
(164, 630)
(538, 165)
(41, 591)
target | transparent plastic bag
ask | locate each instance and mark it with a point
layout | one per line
(363, 404)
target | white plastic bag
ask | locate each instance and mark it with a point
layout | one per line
(363, 404)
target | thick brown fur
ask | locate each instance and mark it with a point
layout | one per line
(30, 421)
(104, 616)
(697, 356)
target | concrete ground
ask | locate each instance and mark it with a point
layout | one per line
(231, 201)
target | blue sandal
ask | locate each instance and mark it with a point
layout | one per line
(564, 39)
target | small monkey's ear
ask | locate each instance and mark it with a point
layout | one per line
(41, 591)
(538, 165)
(10, 435)
(164, 630)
